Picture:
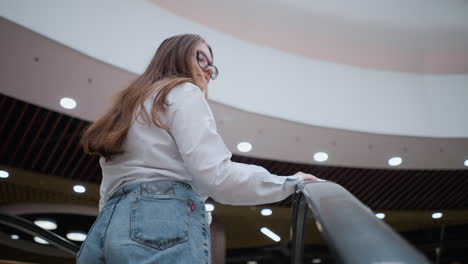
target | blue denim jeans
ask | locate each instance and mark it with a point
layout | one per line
(160, 222)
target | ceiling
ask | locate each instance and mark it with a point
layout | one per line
(50, 71)
(40, 139)
(46, 142)
(45, 161)
(416, 37)
(394, 69)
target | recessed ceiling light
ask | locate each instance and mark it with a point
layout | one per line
(316, 260)
(266, 212)
(46, 224)
(4, 174)
(79, 188)
(437, 215)
(320, 156)
(267, 232)
(40, 240)
(380, 215)
(244, 147)
(76, 236)
(67, 103)
(252, 262)
(209, 207)
(395, 161)
(15, 237)
(466, 163)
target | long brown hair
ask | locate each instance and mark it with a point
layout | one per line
(170, 66)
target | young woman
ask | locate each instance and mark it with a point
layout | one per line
(161, 156)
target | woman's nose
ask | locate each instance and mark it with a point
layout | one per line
(209, 71)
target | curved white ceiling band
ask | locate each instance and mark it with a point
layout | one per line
(415, 37)
(256, 78)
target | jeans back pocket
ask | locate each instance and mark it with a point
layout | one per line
(160, 222)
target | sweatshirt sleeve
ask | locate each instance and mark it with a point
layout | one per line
(207, 158)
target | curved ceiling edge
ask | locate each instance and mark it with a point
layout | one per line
(415, 111)
(368, 42)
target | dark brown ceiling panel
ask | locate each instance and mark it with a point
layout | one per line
(44, 141)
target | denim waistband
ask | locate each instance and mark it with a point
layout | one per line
(157, 187)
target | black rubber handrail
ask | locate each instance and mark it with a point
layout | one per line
(34, 230)
(351, 230)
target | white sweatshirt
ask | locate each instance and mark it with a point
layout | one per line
(191, 151)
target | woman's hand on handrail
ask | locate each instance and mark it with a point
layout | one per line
(308, 177)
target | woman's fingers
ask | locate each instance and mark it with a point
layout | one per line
(308, 177)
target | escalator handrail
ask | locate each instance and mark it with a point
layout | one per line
(34, 230)
(351, 230)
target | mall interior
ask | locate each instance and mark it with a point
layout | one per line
(368, 96)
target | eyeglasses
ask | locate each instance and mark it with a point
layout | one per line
(205, 64)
